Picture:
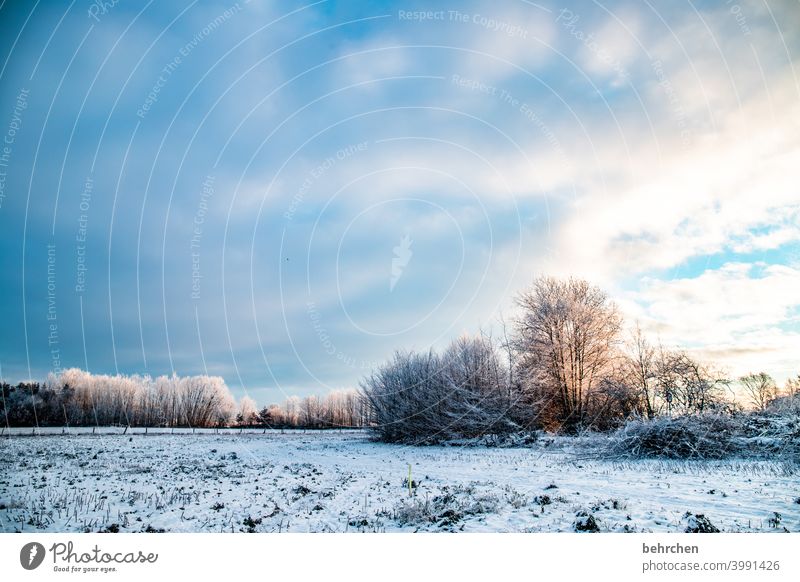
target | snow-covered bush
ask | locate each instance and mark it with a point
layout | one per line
(776, 433)
(789, 404)
(706, 436)
(710, 436)
(511, 440)
(699, 523)
(585, 522)
(448, 508)
(423, 398)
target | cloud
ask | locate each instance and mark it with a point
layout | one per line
(680, 203)
(743, 315)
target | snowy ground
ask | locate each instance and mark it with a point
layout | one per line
(343, 482)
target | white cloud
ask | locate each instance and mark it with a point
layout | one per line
(739, 315)
(773, 239)
(688, 202)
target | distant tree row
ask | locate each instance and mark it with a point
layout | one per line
(565, 366)
(79, 398)
(341, 409)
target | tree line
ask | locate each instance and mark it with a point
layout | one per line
(565, 365)
(78, 398)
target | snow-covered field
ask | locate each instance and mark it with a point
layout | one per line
(338, 482)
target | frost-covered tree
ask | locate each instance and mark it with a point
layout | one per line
(478, 397)
(150, 410)
(792, 386)
(248, 411)
(640, 372)
(77, 397)
(408, 396)
(426, 397)
(566, 341)
(310, 412)
(271, 416)
(291, 407)
(689, 385)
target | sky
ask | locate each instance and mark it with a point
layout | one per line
(285, 193)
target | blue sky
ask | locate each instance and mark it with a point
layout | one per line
(284, 193)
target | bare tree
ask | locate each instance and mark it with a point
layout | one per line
(688, 385)
(760, 389)
(248, 411)
(792, 387)
(290, 408)
(566, 339)
(640, 369)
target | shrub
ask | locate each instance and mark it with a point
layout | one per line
(428, 398)
(789, 404)
(775, 434)
(708, 436)
(448, 508)
(699, 524)
(585, 522)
